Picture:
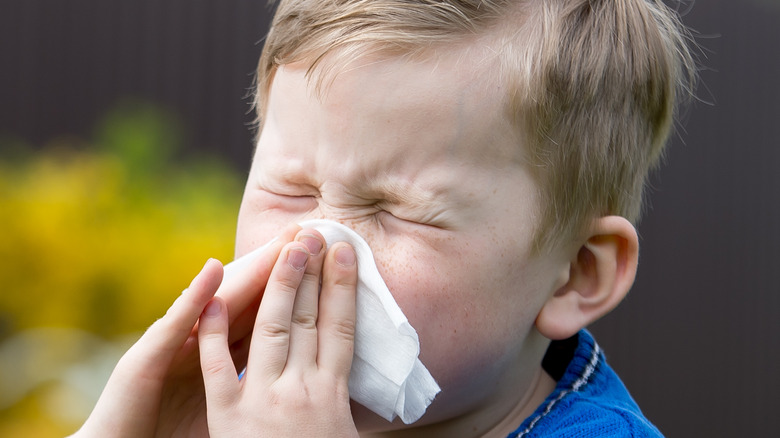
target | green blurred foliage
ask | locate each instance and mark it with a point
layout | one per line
(96, 240)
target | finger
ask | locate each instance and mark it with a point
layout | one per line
(166, 336)
(303, 328)
(219, 373)
(271, 335)
(245, 287)
(336, 325)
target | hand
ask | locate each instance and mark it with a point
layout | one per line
(156, 388)
(301, 351)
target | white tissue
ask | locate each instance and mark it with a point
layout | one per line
(387, 375)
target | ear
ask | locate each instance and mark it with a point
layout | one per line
(600, 275)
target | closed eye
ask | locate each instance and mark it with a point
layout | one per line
(282, 201)
(400, 218)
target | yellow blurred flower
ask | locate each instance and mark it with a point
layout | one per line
(95, 243)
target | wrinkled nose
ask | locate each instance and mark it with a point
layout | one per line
(364, 223)
(362, 220)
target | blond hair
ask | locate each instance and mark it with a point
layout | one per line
(594, 83)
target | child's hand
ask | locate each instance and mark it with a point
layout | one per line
(157, 388)
(301, 350)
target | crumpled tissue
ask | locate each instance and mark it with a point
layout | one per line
(387, 375)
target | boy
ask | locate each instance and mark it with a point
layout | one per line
(493, 155)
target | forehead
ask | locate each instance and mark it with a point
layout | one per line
(448, 97)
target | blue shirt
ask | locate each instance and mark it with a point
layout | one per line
(589, 399)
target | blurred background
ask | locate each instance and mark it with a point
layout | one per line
(125, 138)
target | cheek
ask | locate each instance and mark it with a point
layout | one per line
(256, 226)
(470, 312)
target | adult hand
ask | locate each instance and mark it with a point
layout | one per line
(157, 388)
(296, 381)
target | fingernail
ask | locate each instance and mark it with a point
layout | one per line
(297, 258)
(212, 308)
(345, 256)
(313, 244)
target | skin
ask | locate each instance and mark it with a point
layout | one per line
(418, 158)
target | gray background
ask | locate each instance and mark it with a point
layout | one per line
(697, 340)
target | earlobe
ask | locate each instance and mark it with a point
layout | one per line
(600, 276)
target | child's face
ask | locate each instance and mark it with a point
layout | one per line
(419, 158)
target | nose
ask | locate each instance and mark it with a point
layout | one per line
(356, 217)
(364, 223)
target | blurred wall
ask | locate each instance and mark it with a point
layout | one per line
(64, 63)
(697, 340)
